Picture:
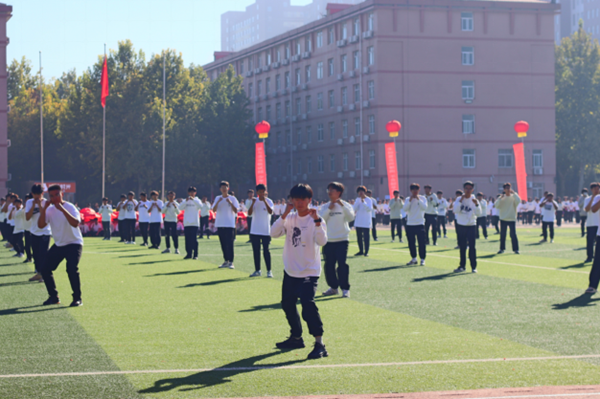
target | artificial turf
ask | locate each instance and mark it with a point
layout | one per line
(149, 311)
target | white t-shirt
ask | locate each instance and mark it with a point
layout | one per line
(205, 210)
(548, 212)
(261, 218)
(106, 212)
(191, 207)
(432, 204)
(225, 215)
(442, 206)
(363, 212)
(62, 232)
(143, 215)
(2, 214)
(247, 204)
(593, 218)
(415, 210)
(18, 217)
(130, 209)
(121, 210)
(35, 230)
(155, 214)
(466, 212)
(11, 222)
(171, 210)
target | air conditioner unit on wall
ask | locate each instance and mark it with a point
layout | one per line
(538, 171)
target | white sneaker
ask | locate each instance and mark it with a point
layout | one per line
(176, 251)
(412, 262)
(270, 274)
(256, 274)
(551, 241)
(230, 265)
(401, 241)
(20, 255)
(459, 270)
(224, 265)
(445, 236)
(330, 292)
(345, 293)
(167, 251)
(393, 241)
(591, 290)
(422, 262)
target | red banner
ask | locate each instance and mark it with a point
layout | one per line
(260, 164)
(521, 170)
(392, 168)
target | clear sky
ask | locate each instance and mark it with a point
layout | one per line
(71, 33)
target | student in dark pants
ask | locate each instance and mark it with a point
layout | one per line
(581, 212)
(593, 220)
(204, 218)
(226, 207)
(261, 209)
(171, 210)
(106, 213)
(507, 206)
(155, 210)
(363, 222)
(27, 232)
(415, 207)
(337, 213)
(130, 218)
(431, 215)
(441, 214)
(142, 209)
(191, 221)
(482, 218)
(396, 205)
(548, 208)
(467, 209)
(40, 237)
(373, 214)
(305, 233)
(121, 224)
(593, 206)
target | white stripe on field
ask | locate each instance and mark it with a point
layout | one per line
(557, 395)
(313, 366)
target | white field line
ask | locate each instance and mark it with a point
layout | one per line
(484, 261)
(557, 395)
(313, 366)
(116, 253)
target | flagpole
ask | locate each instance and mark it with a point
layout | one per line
(164, 111)
(104, 141)
(41, 124)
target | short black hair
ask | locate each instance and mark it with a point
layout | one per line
(224, 183)
(594, 184)
(480, 194)
(259, 187)
(54, 187)
(104, 199)
(401, 197)
(19, 201)
(153, 192)
(585, 190)
(123, 196)
(251, 191)
(337, 186)
(37, 189)
(458, 192)
(191, 188)
(28, 196)
(369, 192)
(550, 195)
(427, 186)
(131, 193)
(414, 186)
(171, 192)
(301, 190)
(440, 192)
(468, 183)
(361, 188)
(396, 192)
(142, 193)
(507, 184)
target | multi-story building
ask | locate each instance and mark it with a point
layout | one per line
(265, 19)
(5, 14)
(573, 11)
(457, 75)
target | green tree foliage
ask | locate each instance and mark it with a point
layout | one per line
(208, 138)
(577, 110)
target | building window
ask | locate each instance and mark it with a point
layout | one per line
(345, 161)
(298, 106)
(344, 96)
(279, 170)
(320, 163)
(319, 39)
(371, 159)
(331, 130)
(298, 47)
(289, 168)
(308, 104)
(298, 77)
(320, 70)
(331, 99)
(468, 90)
(307, 73)
(356, 60)
(371, 89)
(505, 158)
(371, 21)
(332, 163)
(278, 110)
(319, 101)
(267, 85)
(357, 163)
(466, 21)
(371, 124)
(259, 88)
(250, 64)
(309, 165)
(309, 134)
(288, 138)
(287, 51)
(468, 124)
(278, 136)
(344, 63)
(299, 137)
(356, 93)
(468, 55)
(356, 27)
(320, 132)
(357, 126)
(344, 32)
(308, 43)
(287, 80)
(278, 55)
(268, 115)
(330, 36)
(330, 65)
(345, 128)
(538, 159)
(371, 55)
(288, 109)
(259, 114)
(250, 86)
(277, 82)
(241, 67)
(299, 167)
(268, 57)
(468, 159)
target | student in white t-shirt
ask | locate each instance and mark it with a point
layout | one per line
(466, 211)
(441, 213)
(226, 208)
(363, 221)
(260, 211)
(121, 218)
(247, 204)
(106, 213)
(482, 218)
(17, 215)
(395, 206)
(10, 224)
(155, 210)
(305, 232)
(143, 208)
(63, 218)
(548, 209)
(415, 207)
(592, 222)
(130, 218)
(594, 278)
(27, 232)
(171, 210)
(40, 237)
(205, 218)
(191, 221)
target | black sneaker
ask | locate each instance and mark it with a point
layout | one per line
(500, 252)
(587, 260)
(52, 301)
(359, 254)
(516, 252)
(187, 257)
(318, 352)
(291, 343)
(27, 261)
(76, 303)
(366, 255)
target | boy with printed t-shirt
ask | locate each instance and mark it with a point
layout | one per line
(171, 210)
(396, 205)
(592, 222)
(142, 208)
(466, 211)
(441, 214)
(121, 218)
(261, 209)
(106, 212)
(204, 218)
(548, 207)
(191, 220)
(155, 210)
(64, 218)
(130, 218)
(507, 208)
(415, 207)
(337, 213)
(363, 209)
(226, 207)
(482, 218)
(431, 215)
(305, 232)
(40, 236)
(17, 215)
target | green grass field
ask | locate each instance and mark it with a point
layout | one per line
(405, 329)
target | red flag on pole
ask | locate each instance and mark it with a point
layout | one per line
(392, 167)
(520, 170)
(104, 83)
(260, 165)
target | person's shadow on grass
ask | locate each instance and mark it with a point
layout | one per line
(385, 269)
(438, 277)
(28, 309)
(582, 301)
(217, 376)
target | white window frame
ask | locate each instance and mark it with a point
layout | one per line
(345, 161)
(468, 55)
(320, 132)
(505, 155)
(537, 158)
(371, 124)
(466, 21)
(371, 89)
(357, 161)
(320, 164)
(372, 160)
(371, 55)
(468, 158)
(468, 124)
(468, 90)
